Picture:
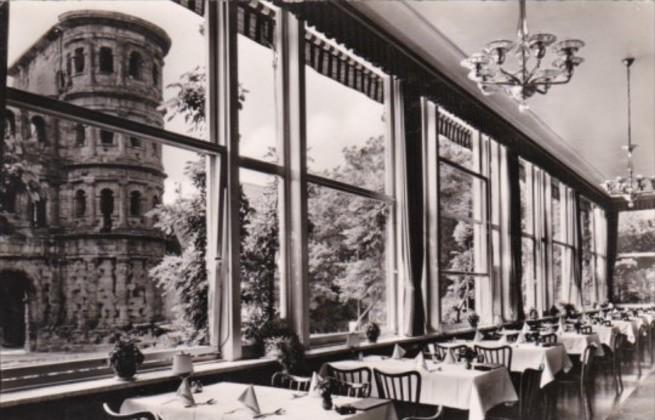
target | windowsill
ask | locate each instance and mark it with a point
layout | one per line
(108, 384)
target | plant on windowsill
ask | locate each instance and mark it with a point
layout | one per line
(372, 332)
(125, 357)
(474, 320)
(282, 343)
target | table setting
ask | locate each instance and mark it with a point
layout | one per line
(236, 401)
(451, 383)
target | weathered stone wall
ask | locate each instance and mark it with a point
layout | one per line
(88, 279)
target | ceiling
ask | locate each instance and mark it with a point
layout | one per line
(584, 122)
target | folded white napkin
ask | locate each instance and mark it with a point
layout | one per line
(249, 399)
(449, 359)
(562, 325)
(521, 338)
(315, 385)
(185, 394)
(398, 352)
(478, 336)
(421, 364)
(503, 339)
(526, 328)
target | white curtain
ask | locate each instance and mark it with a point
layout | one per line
(600, 245)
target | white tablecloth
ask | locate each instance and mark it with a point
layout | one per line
(648, 317)
(627, 328)
(575, 343)
(530, 356)
(451, 386)
(227, 406)
(607, 335)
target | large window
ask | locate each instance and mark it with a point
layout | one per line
(463, 224)
(348, 208)
(634, 272)
(129, 229)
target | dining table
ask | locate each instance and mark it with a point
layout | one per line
(607, 334)
(575, 343)
(448, 384)
(628, 328)
(551, 359)
(220, 401)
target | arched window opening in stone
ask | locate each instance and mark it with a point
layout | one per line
(37, 129)
(106, 137)
(10, 123)
(155, 203)
(79, 60)
(155, 74)
(154, 149)
(80, 203)
(135, 142)
(8, 200)
(80, 134)
(106, 60)
(39, 213)
(134, 66)
(69, 65)
(135, 204)
(106, 208)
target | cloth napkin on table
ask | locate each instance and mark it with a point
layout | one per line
(433, 351)
(521, 338)
(249, 399)
(449, 359)
(478, 336)
(185, 394)
(421, 364)
(562, 326)
(503, 339)
(526, 328)
(315, 385)
(398, 352)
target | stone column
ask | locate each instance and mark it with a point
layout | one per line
(122, 297)
(92, 61)
(91, 201)
(121, 206)
(93, 141)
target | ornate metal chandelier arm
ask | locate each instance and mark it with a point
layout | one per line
(514, 80)
(532, 72)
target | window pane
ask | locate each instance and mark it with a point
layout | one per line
(457, 299)
(124, 262)
(634, 272)
(260, 251)
(462, 221)
(347, 251)
(345, 133)
(257, 125)
(460, 153)
(108, 65)
(526, 200)
(556, 215)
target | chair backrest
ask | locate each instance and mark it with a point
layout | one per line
(141, 415)
(353, 376)
(548, 338)
(618, 344)
(350, 389)
(284, 380)
(454, 350)
(500, 355)
(435, 351)
(531, 392)
(586, 362)
(405, 386)
(585, 329)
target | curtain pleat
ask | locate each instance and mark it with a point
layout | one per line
(515, 272)
(612, 218)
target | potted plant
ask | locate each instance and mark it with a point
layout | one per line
(473, 320)
(125, 357)
(288, 351)
(372, 332)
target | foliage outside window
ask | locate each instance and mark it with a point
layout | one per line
(634, 272)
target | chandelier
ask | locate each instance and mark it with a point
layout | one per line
(525, 77)
(633, 186)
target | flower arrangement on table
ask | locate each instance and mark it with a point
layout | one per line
(468, 355)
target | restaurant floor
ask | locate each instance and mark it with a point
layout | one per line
(636, 402)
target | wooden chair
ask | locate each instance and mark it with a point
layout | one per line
(531, 403)
(402, 387)
(612, 361)
(434, 351)
(357, 380)
(501, 355)
(293, 382)
(645, 343)
(350, 389)
(141, 415)
(548, 338)
(583, 380)
(635, 349)
(586, 329)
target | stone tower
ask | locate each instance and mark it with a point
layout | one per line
(80, 252)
